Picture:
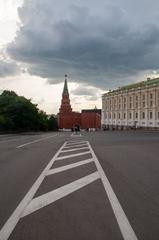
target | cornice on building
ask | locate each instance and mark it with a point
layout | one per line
(133, 87)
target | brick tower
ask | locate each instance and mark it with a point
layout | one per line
(68, 119)
(65, 102)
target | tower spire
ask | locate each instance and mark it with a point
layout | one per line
(65, 89)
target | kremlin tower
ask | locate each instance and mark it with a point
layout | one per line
(67, 119)
(65, 102)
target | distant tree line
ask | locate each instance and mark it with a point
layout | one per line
(19, 114)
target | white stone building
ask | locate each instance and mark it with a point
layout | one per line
(135, 105)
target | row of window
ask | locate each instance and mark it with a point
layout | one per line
(131, 105)
(119, 115)
(119, 100)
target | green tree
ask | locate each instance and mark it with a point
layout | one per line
(43, 121)
(52, 123)
(18, 113)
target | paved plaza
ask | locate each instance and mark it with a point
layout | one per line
(90, 185)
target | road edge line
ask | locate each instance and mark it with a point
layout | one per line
(122, 220)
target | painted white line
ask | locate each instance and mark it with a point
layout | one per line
(59, 193)
(122, 220)
(69, 142)
(14, 218)
(74, 146)
(69, 166)
(72, 155)
(74, 149)
(38, 140)
(75, 143)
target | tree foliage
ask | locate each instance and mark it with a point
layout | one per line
(19, 114)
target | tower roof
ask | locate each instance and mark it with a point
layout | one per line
(65, 89)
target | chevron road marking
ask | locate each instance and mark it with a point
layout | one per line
(72, 143)
(74, 149)
(16, 215)
(72, 155)
(79, 145)
(29, 204)
(59, 193)
(67, 167)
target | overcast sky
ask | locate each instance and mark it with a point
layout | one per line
(100, 44)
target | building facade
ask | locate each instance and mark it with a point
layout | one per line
(68, 119)
(91, 118)
(135, 105)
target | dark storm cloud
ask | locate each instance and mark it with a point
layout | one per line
(8, 68)
(84, 91)
(95, 42)
(90, 93)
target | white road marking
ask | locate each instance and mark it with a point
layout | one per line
(35, 141)
(122, 220)
(69, 166)
(69, 142)
(29, 205)
(14, 218)
(59, 193)
(72, 155)
(75, 143)
(74, 149)
(80, 145)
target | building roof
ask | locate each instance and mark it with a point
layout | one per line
(65, 89)
(148, 82)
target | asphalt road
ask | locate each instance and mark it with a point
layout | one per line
(100, 185)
